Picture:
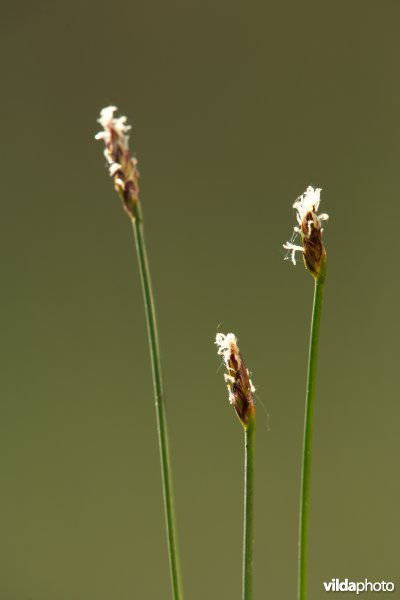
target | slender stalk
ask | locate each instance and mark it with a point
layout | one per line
(177, 590)
(248, 539)
(308, 431)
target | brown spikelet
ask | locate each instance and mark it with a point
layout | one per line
(310, 229)
(122, 166)
(237, 378)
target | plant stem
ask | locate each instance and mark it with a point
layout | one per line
(166, 473)
(308, 431)
(248, 540)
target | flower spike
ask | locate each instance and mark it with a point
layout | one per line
(310, 229)
(122, 166)
(237, 378)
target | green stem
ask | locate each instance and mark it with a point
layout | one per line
(248, 535)
(166, 473)
(308, 431)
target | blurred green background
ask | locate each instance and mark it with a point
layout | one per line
(236, 107)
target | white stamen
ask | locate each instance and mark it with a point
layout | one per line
(228, 346)
(106, 115)
(114, 168)
(308, 202)
(109, 123)
(102, 135)
(294, 248)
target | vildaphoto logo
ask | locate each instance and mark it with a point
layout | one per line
(344, 585)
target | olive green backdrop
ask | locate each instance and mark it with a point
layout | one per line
(236, 107)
